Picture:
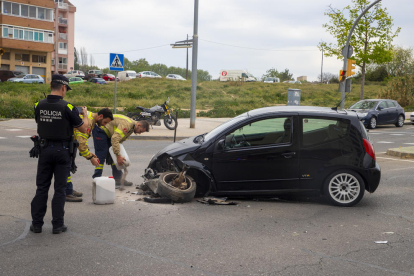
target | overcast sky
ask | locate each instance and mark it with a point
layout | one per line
(291, 28)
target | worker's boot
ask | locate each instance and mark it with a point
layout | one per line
(72, 198)
(77, 194)
(126, 183)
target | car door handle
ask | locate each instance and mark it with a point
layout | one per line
(288, 154)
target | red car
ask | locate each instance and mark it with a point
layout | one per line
(109, 77)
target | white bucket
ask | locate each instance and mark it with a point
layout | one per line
(103, 190)
(124, 154)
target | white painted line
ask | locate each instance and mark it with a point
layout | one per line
(3, 138)
(373, 133)
(397, 134)
(23, 136)
(384, 142)
(408, 143)
(402, 160)
(14, 129)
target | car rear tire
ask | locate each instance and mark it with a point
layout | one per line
(372, 123)
(400, 121)
(164, 189)
(344, 188)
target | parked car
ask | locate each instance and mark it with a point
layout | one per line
(75, 80)
(27, 78)
(174, 77)
(125, 76)
(7, 74)
(278, 150)
(75, 73)
(93, 74)
(376, 112)
(148, 74)
(412, 118)
(109, 77)
(271, 80)
(97, 80)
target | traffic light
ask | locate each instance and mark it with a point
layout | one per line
(350, 67)
(342, 76)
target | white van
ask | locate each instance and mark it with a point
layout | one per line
(226, 75)
(127, 75)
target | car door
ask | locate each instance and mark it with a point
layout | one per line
(392, 111)
(27, 79)
(383, 116)
(261, 155)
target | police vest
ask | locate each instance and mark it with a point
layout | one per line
(52, 123)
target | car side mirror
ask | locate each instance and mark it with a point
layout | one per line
(220, 145)
(379, 108)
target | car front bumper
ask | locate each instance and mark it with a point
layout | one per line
(372, 178)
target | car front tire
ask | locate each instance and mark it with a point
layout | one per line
(344, 188)
(400, 121)
(372, 123)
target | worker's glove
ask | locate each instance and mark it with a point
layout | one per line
(35, 151)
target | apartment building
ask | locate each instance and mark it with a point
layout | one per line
(63, 58)
(37, 36)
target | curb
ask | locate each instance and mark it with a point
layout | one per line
(400, 153)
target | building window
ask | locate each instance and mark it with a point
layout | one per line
(24, 10)
(40, 13)
(39, 59)
(15, 9)
(22, 57)
(32, 12)
(63, 45)
(6, 7)
(6, 56)
(49, 14)
(27, 34)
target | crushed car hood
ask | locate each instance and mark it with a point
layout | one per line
(180, 147)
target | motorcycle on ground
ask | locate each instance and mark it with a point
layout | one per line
(154, 114)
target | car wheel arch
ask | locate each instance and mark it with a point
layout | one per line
(336, 171)
(203, 179)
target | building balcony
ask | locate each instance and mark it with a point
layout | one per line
(63, 21)
(63, 51)
(63, 6)
(63, 36)
(62, 66)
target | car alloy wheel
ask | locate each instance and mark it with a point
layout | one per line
(400, 121)
(344, 188)
(373, 123)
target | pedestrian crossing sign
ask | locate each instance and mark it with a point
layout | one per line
(116, 62)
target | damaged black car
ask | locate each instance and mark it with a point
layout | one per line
(275, 151)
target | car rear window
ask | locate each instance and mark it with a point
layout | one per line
(320, 130)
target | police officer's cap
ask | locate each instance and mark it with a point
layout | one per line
(62, 80)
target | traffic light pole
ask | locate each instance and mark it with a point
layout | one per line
(346, 55)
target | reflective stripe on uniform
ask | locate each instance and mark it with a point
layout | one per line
(36, 104)
(84, 153)
(69, 179)
(82, 135)
(99, 167)
(122, 117)
(70, 106)
(106, 131)
(119, 131)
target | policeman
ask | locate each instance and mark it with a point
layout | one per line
(55, 120)
(101, 118)
(113, 134)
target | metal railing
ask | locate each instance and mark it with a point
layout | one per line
(62, 66)
(64, 6)
(63, 36)
(62, 51)
(63, 20)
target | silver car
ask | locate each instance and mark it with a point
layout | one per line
(174, 77)
(27, 78)
(148, 74)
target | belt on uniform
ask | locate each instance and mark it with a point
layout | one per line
(55, 143)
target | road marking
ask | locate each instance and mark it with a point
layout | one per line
(14, 129)
(402, 160)
(23, 136)
(408, 143)
(384, 142)
(410, 168)
(397, 134)
(3, 138)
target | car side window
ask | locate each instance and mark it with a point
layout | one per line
(391, 104)
(260, 133)
(320, 130)
(383, 105)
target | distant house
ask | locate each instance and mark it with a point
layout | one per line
(302, 78)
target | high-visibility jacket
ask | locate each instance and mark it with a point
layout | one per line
(119, 130)
(83, 137)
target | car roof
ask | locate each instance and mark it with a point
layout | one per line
(298, 109)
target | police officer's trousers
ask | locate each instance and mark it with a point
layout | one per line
(54, 161)
(102, 144)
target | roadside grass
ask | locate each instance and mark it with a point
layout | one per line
(214, 99)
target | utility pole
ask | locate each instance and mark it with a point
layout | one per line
(194, 68)
(322, 67)
(347, 52)
(186, 73)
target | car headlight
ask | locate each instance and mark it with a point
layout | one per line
(364, 114)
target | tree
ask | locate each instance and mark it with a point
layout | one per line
(371, 40)
(402, 62)
(76, 60)
(273, 73)
(328, 77)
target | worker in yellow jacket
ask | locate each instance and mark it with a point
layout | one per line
(103, 117)
(114, 133)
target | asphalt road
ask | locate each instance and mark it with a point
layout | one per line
(276, 237)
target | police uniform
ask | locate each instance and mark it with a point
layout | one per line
(55, 120)
(115, 132)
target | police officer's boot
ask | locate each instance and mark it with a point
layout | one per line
(78, 194)
(73, 198)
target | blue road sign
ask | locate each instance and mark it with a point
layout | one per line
(116, 62)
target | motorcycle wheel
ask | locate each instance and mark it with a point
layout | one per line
(134, 116)
(170, 123)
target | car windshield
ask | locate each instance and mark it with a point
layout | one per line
(110, 75)
(364, 105)
(97, 72)
(132, 75)
(18, 73)
(20, 76)
(224, 126)
(268, 79)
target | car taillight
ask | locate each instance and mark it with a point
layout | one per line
(369, 148)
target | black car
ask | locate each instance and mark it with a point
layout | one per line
(277, 150)
(97, 80)
(379, 112)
